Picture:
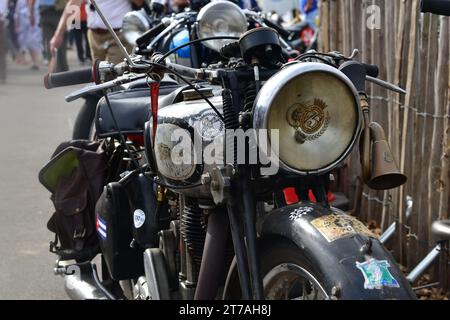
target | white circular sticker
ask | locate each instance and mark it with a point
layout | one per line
(139, 218)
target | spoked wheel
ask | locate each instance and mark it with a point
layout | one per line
(289, 281)
(287, 276)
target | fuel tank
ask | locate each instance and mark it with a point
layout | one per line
(188, 142)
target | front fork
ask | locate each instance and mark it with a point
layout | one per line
(241, 208)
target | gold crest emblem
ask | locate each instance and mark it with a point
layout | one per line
(310, 120)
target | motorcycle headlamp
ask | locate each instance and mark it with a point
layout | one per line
(316, 109)
(220, 18)
(134, 25)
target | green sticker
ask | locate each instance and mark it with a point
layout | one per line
(376, 274)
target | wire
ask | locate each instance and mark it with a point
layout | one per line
(197, 41)
(190, 86)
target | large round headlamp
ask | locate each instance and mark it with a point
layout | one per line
(220, 18)
(316, 109)
(134, 24)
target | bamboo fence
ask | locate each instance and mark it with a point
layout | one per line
(412, 50)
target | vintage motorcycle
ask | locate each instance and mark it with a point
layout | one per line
(172, 224)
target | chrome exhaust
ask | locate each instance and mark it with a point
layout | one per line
(81, 282)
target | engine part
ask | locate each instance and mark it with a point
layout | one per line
(192, 230)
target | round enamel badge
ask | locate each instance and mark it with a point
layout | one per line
(138, 218)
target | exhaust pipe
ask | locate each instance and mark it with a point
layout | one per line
(81, 282)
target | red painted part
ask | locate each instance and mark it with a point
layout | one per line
(137, 139)
(291, 196)
(154, 92)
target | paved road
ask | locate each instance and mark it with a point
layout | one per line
(32, 123)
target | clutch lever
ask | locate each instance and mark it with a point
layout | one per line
(102, 86)
(386, 85)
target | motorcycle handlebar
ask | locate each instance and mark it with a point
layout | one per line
(441, 7)
(67, 78)
(185, 71)
(145, 39)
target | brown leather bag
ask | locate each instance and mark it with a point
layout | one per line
(75, 176)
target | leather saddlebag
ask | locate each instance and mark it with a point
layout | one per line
(75, 176)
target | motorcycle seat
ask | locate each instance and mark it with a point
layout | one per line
(131, 109)
(441, 229)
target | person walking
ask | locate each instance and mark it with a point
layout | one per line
(81, 39)
(101, 41)
(28, 31)
(13, 44)
(50, 14)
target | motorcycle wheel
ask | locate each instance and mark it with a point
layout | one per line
(83, 128)
(287, 275)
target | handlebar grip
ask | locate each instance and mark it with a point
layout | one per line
(371, 69)
(145, 39)
(441, 7)
(67, 78)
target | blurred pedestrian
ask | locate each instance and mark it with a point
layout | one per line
(81, 39)
(309, 10)
(101, 41)
(50, 13)
(3, 16)
(13, 44)
(28, 31)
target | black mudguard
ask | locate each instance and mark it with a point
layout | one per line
(335, 259)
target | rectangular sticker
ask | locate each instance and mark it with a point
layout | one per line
(337, 226)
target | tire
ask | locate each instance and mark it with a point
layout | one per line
(281, 258)
(83, 128)
(276, 252)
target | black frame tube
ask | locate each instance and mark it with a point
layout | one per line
(239, 251)
(250, 234)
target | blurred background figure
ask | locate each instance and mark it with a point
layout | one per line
(28, 31)
(100, 40)
(178, 5)
(309, 10)
(13, 44)
(81, 39)
(50, 13)
(3, 20)
(249, 4)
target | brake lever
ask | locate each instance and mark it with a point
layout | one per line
(102, 86)
(386, 85)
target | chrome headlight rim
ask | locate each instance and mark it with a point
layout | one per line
(267, 95)
(206, 10)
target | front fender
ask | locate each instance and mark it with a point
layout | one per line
(336, 244)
